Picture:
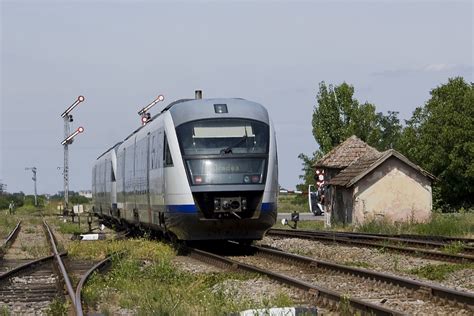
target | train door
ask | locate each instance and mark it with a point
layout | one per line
(134, 182)
(155, 174)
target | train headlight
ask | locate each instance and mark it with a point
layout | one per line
(217, 204)
(246, 179)
(255, 179)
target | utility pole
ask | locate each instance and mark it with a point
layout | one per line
(68, 138)
(33, 169)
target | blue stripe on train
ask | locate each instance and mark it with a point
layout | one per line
(191, 208)
(268, 207)
(183, 208)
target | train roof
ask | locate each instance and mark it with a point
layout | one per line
(195, 109)
(114, 146)
(184, 110)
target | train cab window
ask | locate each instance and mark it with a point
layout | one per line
(167, 159)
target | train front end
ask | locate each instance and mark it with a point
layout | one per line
(228, 150)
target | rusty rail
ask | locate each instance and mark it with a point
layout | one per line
(28, 265)
(334, 237)
(99, 266)
(10, 238)
(61, 266)
(432, 290)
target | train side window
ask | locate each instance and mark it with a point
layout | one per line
(168, 160)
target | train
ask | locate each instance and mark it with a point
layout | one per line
(201, 169)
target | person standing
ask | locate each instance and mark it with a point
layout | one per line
(11, 208)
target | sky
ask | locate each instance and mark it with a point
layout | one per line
(121, 54)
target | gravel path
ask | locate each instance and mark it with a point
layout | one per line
(370, 258)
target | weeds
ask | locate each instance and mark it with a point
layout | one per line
(439, 272)
(57, 308)
(345, 306)
(459, 224)
(145, 281)
(287, 204)
(453, 248)
(358, 264)
(4, 311)
(69, 228)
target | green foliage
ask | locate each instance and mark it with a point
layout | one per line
(454, 248)
(5, 200)
(4, 311)
(7, 223)
(337, 116)
(71, 228)
(440, 224)
(147, 282)
(289, 203)
(439, 272)
(310, 225)
(78, 199)
(57, 308)
(440, 137)
(359, 264)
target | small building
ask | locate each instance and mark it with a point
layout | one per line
(363, 184)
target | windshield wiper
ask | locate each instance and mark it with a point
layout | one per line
(228, 150)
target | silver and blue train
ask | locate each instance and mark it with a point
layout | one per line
(202, 169)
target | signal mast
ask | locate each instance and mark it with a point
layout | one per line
(68, 139)
(144, 114)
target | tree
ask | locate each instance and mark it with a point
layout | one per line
(440, 137)
(337, 116)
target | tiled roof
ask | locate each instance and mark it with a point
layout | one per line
(365, 164)
(355, 169)
(345, 154)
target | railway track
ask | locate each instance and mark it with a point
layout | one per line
(358, 290)
(31, 285)
(409, 246)
(26, 285)
(10, 239)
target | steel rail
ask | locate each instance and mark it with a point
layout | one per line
(99, 266)
(429, 289)
(420, 242)
(28, 265)
(319, 293)
(408, 238)
(61, 266)
(334, 238)
(10, 238)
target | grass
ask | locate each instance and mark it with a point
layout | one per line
(146, 282)
(358, 264)
(7, 223)
(286, 204)
(310, 225)
(70, 228)
(453, 248)
(458, 224)
(439, 272)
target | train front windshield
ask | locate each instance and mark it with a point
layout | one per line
(224, 151)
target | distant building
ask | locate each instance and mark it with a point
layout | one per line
(365, 184)
(86, 193)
